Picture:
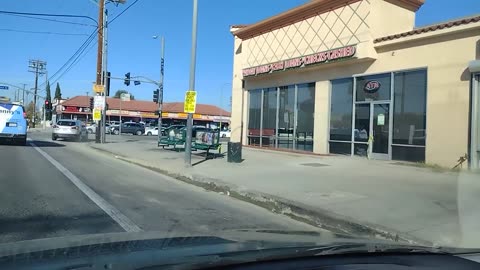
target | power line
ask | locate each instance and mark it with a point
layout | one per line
(123, 11)
(49, 15)
(41, 32)
(77, 52)
(50, 20)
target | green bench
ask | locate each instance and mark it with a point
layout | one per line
(206, 140)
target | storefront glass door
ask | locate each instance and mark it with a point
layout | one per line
(380, 130)
(372, 127)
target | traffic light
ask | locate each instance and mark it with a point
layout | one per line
(127, 79)
(155, 95)
(47, 105)
(107, 85)
(91, 103)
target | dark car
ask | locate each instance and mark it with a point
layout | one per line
(131, 128)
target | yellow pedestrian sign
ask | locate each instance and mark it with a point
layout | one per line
(97, 115)
(190, 102)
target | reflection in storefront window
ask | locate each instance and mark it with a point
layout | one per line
(269, 117)
(341, 116)
(254, 114)
(374, 87)
(286, 117)
(305, 116)
(272, 123)
(409, 121)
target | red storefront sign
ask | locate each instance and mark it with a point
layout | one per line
(316, 58)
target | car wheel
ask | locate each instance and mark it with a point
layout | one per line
(54, 138)
(149, 133)
(139, 132)
(224, 135)
(116, 132)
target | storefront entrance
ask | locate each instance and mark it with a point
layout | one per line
(380, 116)
(372, 126)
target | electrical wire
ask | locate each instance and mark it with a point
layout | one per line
(41, 32)
(49, 15)
(123, 11)
(50, 20)
(77, 56)
(73, 57)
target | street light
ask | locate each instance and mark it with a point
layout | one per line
(221, 102)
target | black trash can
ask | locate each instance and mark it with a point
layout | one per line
(234, 153)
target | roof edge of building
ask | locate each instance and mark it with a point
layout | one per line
(430, 28)
(307, 11)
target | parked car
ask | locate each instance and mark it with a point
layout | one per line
(225, 133)
(70, 129)
(130, 128)
(149, 131)
(91, 129)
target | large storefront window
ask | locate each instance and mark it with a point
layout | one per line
(341, 116)
(305, 112)
(269, 117)
(388, 123)
(282, 117)
(410, 115)
(254, 117)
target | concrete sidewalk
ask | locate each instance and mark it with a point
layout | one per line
(342, 194)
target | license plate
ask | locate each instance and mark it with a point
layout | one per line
(12, 124)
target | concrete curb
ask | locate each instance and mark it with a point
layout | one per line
(317, 217)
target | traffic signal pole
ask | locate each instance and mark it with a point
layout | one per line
(193, 58)
(160, 88)
(98, 81)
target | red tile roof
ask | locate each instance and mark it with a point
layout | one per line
(146, 106)
(430, 28)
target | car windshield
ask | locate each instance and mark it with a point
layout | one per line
(284, 123)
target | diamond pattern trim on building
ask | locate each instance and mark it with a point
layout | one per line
(336, 28)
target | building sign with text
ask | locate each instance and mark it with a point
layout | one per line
(303, 61)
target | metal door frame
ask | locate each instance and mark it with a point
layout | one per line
(380, 156)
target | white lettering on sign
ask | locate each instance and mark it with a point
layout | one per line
(316, 58)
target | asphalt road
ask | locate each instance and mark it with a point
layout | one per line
(63, 188)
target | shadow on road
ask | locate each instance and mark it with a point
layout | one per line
(48, 144)
(49, 225)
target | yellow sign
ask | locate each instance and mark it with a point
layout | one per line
(97, 115)
(98, 88)
(190, 102)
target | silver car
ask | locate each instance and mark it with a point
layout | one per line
(70, 129)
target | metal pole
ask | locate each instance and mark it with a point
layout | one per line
(160, 92)
(188, 141)
(105, 79)
(44, 116)
(120, 124)
(23, 94)
(221, 110)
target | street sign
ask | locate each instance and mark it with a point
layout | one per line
(98, 88)
(190, 102)
(3, 87)
(97, 115)
(98, 102)
(136, 82)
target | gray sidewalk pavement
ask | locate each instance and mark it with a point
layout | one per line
(343, 194)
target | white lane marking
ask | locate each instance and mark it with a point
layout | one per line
(113, 212)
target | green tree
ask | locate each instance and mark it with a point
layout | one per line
(58, 92)
(49, 99)
(120, 92)
(29, 110)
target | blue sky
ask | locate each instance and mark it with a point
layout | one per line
(132, 48)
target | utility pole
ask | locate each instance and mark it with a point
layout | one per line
(193, 58)
(104, 78)
(100, 47)
(38, 67)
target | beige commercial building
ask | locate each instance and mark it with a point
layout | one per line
(356, 77)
